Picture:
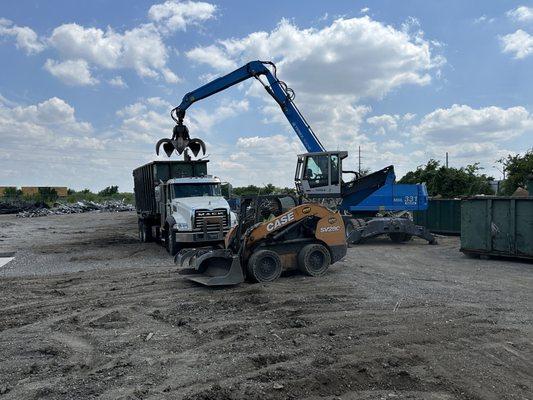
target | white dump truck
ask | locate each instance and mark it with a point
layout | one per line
(180, 205)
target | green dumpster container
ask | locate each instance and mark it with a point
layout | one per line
(497, 226)
(442, 216)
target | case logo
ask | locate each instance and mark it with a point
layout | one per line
(279, 222)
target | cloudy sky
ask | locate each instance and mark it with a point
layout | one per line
(86, 87)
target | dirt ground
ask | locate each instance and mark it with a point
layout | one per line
(88, 312)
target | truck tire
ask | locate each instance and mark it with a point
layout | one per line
(145, 232)
(314, 260)
(264, 266)
(141, 232)
(171, 245)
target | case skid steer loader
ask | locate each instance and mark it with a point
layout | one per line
(274, 233)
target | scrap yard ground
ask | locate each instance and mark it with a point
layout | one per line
(87, 311)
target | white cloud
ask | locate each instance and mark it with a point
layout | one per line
(49, 123)
(117, 81)
(48, 139)
(521, 14)
(25, 38)
(140, 48)
(148, 120)
(356, 57)
(519, 43)
(202, 120)
(463, 124)
(408, 116)
(483, 19)
(71, 72)
(212, 55)
(364, 10)
(159, 102)
(169, 76)
(392, 145)
(177, 15)
(251, 160)
(384, 122)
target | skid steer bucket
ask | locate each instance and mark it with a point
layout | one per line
(211, 267)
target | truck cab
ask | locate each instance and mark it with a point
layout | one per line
(180, 205)
(193, 211)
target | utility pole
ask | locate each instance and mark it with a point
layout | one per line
(359, 160)
(446, 159)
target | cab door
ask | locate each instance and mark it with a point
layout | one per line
(319, 175)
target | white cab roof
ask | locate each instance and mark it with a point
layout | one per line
(195, 179)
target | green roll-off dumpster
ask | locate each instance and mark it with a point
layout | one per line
(442, 216)
(497, 226)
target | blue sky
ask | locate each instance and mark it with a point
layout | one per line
(86, 87)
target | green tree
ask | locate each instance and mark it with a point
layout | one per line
(450, 182)
(12, 192)
(108, 191)
(252, 190)
(517, 168)
(47, 194)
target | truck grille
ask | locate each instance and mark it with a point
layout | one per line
(211, 219)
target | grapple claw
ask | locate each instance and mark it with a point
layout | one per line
(197, 145)
(168, 147)
(180, 142)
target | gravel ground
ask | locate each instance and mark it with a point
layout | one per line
(88, 312)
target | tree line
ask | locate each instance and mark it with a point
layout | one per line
(466, 181)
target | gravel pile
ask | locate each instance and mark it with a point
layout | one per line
(79, 207)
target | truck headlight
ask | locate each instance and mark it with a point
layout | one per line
(233, 218)
(181, 226)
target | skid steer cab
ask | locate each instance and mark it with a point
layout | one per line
(274, 233)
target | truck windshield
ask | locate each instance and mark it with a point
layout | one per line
(196, 189)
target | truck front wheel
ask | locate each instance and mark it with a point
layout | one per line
(172, 246)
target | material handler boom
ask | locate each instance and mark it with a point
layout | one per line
(319, 173)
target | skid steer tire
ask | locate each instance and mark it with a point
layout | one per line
(400, 237)
(264, 266)
(314, 260)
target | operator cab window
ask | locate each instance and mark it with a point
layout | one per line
(195, 190)
(316, 171)
(334, 170)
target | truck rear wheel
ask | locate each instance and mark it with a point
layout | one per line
(145, 232)
(314, 259)
(264, 266)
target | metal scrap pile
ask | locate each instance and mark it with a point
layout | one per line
(79, 207)
(14, 206)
